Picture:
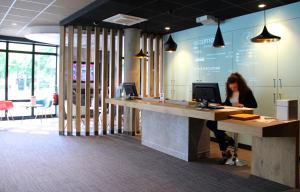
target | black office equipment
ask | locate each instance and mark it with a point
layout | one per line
(206, 93)
(130, 89)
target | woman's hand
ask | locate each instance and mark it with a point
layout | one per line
(239, 105)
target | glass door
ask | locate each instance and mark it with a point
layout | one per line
(45, 80)
(2, 75)
(2, 79)
(20, 81)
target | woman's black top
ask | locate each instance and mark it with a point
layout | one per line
(247, 99)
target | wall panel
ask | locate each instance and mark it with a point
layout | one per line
(78, 82)
(70, 81)
(87, 81)
(62, 64)
(96, 81)
(112, 66)
(104, 81)
(119, 62)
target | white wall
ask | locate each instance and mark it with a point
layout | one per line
(271, 70)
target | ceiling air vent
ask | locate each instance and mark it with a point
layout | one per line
(123, 19)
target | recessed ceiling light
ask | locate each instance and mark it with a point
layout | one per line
(262, 5)
(14, 24)
(167, 28)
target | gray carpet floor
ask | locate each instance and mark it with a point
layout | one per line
(52, 163)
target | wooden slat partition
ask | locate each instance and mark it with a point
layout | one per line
(150, 67)
(161, 67)
(96, 81)
(104, 81)
(119, 76)
(87, 82)
(156, 67)
(112, 65)
(62, 81)
(144, 68)
(70, 81)
(78, 82)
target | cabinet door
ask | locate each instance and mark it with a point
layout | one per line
(183, 92)
(288, 53)
(243, 61)
(290, 93)
(183, 63)
(265, 97)
(265, 67)
(256, 62)
(168, 69)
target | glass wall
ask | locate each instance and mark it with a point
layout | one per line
(31, 70)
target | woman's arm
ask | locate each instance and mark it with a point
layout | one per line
(250, 100)
(227, 102)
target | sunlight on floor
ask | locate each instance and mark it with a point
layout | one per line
(31, 126)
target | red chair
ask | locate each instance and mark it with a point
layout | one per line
(6, 106)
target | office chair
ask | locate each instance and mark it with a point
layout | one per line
(6, 106)
(234, 160)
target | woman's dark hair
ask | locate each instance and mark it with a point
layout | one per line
(239, 79)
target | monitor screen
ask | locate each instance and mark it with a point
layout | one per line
(83, 72)
(130, 89)
(206, 91)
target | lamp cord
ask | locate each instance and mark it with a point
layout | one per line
(265, 17)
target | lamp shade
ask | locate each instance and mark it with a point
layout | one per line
(141, 55)
(170, 45)
(219, 41)
(265, 37)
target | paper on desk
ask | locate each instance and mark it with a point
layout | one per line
(263, 119)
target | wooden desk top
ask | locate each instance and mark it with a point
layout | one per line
(263, 127)
(180, 110)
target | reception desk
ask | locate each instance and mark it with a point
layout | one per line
(180, 131)
(176, 129)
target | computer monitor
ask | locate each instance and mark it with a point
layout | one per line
(130, 89)
(206, 91)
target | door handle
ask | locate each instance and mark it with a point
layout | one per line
(274, 97)
(280, 83)
(274, 82)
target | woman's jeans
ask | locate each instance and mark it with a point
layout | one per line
(220, 135)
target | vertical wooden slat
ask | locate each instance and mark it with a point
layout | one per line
(119, 77)
(150, 67)
(87, 82)
(70, 81)
(112, 65)
(104, 82)
(96, 81)
(62, 81)
(161, 67)
(144, 68)
(78, 82)
(156, 67)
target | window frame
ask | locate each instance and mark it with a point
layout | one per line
(33, 53)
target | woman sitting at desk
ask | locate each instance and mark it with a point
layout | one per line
(238, 95)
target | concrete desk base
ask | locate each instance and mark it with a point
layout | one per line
(175, 129)
(275, 149)
(182, 137)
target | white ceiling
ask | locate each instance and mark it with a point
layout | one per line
(17, 15)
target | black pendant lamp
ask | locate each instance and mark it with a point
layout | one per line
(265, 36)
(141, 55)
(219, 41)
(170, 45)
